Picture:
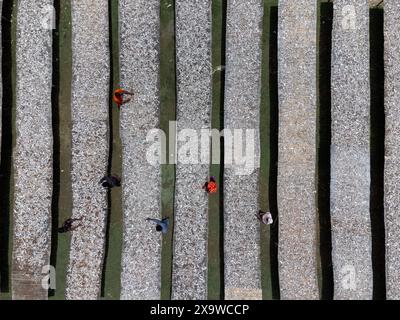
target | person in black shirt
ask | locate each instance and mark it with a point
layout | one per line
(68, 225)
(110, 182)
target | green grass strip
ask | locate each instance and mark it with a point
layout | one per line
(318, 138)
(9, 20)
(377, 147)
(215, 205)
(268, 101)
(111, 280)
(167, 114)
(323, 136)
(60, 245)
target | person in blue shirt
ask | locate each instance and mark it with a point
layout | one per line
(161, 225)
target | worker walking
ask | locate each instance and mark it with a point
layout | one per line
(110, 182)
(161, 225)
(68, 225)
(265, 217)
(210, 186)
(118, 97)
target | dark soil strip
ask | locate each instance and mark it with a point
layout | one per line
(215, 282)
(61, 113)
(269, 149)
(111, 273)
(55, 91)
(8, 25)
(273, 149)
(167, 114)
(377, 74)
(324, 144)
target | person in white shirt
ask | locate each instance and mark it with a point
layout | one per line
(265, 217)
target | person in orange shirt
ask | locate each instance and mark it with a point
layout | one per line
(118, 97)
(211, 186)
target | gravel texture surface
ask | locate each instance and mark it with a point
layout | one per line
(193, 50)
(33, 152)
(242, 105)
(141, 265)
(297, 37)
(90, 101)
(392, 148)
(350, 151)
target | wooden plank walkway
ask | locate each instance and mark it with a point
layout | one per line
(242, 108)
(139, 58)
(350, 151)
(297, 35)
(33, 152)
(90, 102)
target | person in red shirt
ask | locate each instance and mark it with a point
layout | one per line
(118, 97)
(211, 186)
